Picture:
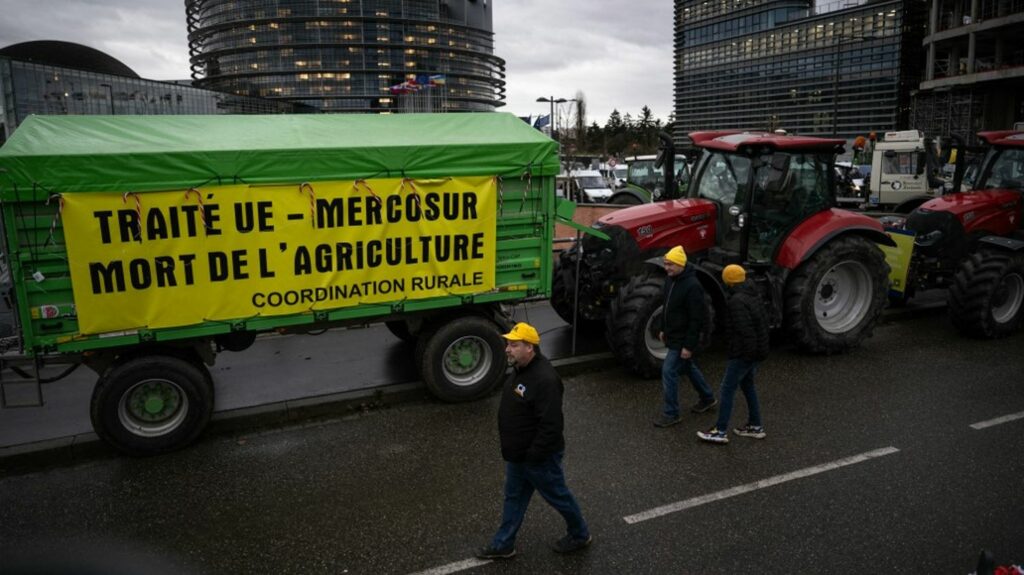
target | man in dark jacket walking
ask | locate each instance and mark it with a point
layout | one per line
(682, 322)
(530, 425)
(746, 328)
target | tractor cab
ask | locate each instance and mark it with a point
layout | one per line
(763, 186)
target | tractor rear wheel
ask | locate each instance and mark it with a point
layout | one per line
(834, 299)
(987, 295)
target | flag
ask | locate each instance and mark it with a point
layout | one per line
(542, 121)
(436, 80)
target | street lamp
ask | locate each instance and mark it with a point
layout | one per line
(551, 118)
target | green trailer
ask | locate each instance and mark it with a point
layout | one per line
(143, 246)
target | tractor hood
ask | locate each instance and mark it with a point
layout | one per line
(963, 203)
(689, 222)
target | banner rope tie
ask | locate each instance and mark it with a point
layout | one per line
(57, 216)
(202, 209)
(528, 176)
(366, 187)
(412, 186)
(307, 187)
(499, 183)
(138, 212)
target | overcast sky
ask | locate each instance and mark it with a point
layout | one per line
(618, 53)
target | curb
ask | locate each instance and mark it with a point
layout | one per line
(84, 447)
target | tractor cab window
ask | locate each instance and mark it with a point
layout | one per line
(1007, 171)
(723, 176)
(788, 188)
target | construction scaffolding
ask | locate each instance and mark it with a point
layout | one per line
(948, 113)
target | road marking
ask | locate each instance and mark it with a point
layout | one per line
(454, 567)
(741, 489)
(998, 420)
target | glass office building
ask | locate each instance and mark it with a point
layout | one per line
(350, 55)
(841, 69)
(30, 85)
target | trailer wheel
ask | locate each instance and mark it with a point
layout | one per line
(463, 359)
(987, 295)
(152, 404)
(834, 299)
(635, 320)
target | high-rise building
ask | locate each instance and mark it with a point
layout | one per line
(841, 69)
(350, 55)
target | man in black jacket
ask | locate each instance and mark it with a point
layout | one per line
(530, 425)
(746, 327)
(682, 322)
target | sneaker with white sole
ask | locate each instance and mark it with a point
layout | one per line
(754, 431)
(713, 435)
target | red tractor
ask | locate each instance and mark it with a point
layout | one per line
(973, 242)
(765, 201)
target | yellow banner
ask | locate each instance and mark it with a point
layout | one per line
(165, 259)
(898, 259)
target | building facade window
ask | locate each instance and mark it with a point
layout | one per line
(344, 55)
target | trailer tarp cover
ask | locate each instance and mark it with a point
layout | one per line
(144, 153)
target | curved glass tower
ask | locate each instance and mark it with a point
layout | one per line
(349, 55)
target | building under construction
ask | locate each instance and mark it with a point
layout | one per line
(974, 72)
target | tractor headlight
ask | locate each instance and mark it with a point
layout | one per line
(929, 239)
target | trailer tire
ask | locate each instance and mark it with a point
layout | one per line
(834, 299)
(462, 359)
(987, 295)
(152, 404)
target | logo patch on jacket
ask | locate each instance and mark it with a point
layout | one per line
(520, 390)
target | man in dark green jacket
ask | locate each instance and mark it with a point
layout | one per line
(682, 322)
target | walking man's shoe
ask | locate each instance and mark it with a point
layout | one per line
(713, 435)
(755, 431)
(492, 553)
(703, 406)
(568, 544)
(666, 421)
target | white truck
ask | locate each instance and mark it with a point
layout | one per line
(905, 170)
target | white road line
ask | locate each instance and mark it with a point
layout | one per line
(998, 420)
(454, 567)
(741, 489)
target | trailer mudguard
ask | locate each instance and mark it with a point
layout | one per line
(817, 230)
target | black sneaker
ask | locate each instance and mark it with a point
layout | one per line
(493, 553)
(704, 406)
(666, 421)
(755, 431)
(568, 544)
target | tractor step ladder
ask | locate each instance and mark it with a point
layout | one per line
(11, 379)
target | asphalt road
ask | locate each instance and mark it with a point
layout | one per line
(870, 466)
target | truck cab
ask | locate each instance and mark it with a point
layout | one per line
(899, 179)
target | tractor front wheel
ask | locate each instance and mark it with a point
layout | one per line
(987, 295)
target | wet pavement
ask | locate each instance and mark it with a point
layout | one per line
(415, 487)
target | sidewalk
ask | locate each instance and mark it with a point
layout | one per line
(289, 378)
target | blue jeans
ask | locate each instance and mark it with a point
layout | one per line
(548, 479)
(738, 373)
(670, 371)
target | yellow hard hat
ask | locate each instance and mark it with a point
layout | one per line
(734, 274)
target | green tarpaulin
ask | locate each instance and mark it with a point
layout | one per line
(63, 154)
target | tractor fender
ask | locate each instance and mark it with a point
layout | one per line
(1010, 244)
(642, 198)
(711, 284)
(816, 231)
